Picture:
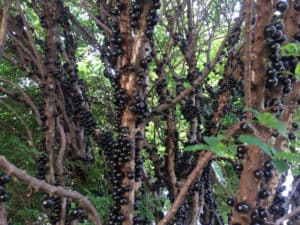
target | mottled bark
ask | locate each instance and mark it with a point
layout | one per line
(3, 214)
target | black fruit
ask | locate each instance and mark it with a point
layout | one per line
(282, 5)
(242, 207)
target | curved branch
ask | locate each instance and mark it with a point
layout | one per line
(59, 191)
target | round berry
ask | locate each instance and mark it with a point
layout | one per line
(297, 6)
(292, 136)
(295, 126)
(259, 174)
(269, 165)
(242, 207)
(263, 194)
(282, 5)
(230, 201)
(297, 36)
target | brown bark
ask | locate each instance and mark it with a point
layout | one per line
(247, 54)
(259, 53)
(203, 160)
(195, 212)
(249, 185)
(133, 53)
(291, 20)
(3, 214)
(3, 23)
(50, 99)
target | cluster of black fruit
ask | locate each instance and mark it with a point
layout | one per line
(275, 37)
(140, 108)
(209, 196)
(241, 150)
(120, 100)
(190, 111)
(259, 216)
(113, 46)
(151, 19)
(182, 214)
(138, 157)
(75, 106)
(4, 179)
(117, 154)
(54, 205)
(277, 209)
(265, 173)
(42, 161)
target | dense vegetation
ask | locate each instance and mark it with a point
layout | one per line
(139, 112)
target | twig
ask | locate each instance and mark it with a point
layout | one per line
(58, 191)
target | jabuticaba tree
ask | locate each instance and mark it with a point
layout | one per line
(150, 112)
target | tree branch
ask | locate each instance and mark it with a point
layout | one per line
(58, 191)
(3, 24)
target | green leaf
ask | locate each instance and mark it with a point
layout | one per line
(270, 121)
(290, 49)
(281, 165)
(291, 157)
(297, 71)
(186, 84)
(197, 147)
(219, 173)
(213, 144)
(256, 113)
(251, 140)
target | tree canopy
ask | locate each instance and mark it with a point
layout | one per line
(135, 112)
